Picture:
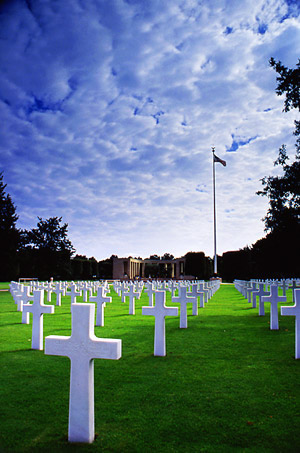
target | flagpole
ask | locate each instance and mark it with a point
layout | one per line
(215, 223)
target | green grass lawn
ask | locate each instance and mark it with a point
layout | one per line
(227, 384)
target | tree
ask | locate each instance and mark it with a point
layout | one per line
(197, 265)
(167, 256)
(49, 249)
(284, 191)
(284, 195)
(289, 84)
(154, 257)
(9, 235)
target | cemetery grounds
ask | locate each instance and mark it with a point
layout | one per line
(227, 384)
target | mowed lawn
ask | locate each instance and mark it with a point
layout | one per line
(227, 384)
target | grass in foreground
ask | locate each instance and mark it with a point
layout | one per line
(228, 383)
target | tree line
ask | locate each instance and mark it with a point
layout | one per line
(277, 254)
(46, 251)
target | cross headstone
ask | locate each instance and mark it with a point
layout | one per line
(100, 299)
(250, 289)
(160, 311)
(151, 291)
(259, 293)
(74, 294)
(196, 292)
(274, 299)
(294, 285)
(59, 291)
(87, 290)
(132, 294)
(183, 299)
(294, 310)
(38, 309)
(82, 347)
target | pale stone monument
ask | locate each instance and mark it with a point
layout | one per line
(100, 300)
(196, 292)
(294, 310)
(183, 299)
(274, 300)
(38, 309)
(74, 294)
(132, 294)
(59, 291)
(260, 292)
(49, 288)
(82, 347)
(151, 291)
(250, 290)
(160, 311)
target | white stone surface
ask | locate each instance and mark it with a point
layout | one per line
(82, 347)
(150, 290)
(160, 311)
(197, 293)
(38, 309)
(259, 292)
(183, 300)
(74, 293)
(274, 300)
(100, 300)
(132, 294)
(59, 291)
(294, 310)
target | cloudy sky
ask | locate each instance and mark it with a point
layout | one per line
(109, 110)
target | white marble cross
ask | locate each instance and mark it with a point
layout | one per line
(100, 299)
(294, 286)
(49, 288)
(27, 299)
(59, 291)
(74, 294)
(82, 347)
(86, 288)
(259, 293)
(196, 292)
(250, 290)
(203, 293)
(151, 291)
(160, 311)
(274, 299)
(294, 310)
(183, 299)
(132, 294)
(38, 309)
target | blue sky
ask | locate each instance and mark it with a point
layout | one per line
(109, 110)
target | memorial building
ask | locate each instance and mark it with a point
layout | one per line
(131, 268)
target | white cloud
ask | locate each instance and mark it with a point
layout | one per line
(111, 109)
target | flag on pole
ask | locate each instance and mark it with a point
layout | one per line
(217, 159)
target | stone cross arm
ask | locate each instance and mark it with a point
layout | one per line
(96, 348)
(294, 310)
(160, 311)
(82, 347)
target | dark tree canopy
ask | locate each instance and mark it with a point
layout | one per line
(284, 191)
(47, 250)
(50, 235)
(8, 216)
(284, 195)
(167, 256)
(288, 83)
(9, 235)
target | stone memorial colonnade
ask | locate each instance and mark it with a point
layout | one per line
(130, 268)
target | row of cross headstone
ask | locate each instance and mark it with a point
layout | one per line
(82, 347)
(268, 292)
(188, 292)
